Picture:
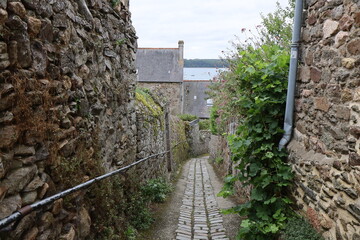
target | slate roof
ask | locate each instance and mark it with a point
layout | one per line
(160, 64)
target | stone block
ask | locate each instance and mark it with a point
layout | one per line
(341, 112)
(330, 27)
(312, 19)
(34, 25)
(3, 16)
(23, 150)
(17, 8)
(354, 210)
(346, 23)
(34, 184)
(346, 95)
(322, 103)
(305, 74)
(32, 234)
(18, 179)
(9, 205)
(84, 222)
(354, 47)
(315, 74)
(341, 38)
(29, 198)
(354, 159)
(9, 135)
(337, 12)
(348, 63)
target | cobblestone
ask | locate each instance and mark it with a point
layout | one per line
(200, 217)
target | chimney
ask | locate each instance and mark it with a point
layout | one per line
(181, 52)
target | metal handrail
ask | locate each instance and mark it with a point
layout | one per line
(29, 208)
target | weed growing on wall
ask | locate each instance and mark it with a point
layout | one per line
(298, 228)
(204, 124)
(187, 117)
(144, 96)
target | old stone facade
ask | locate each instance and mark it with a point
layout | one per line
(325, 148)
(195, 98)
(172, 92)
(161, 70)
(68, 114)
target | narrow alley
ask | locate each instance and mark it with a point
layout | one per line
(193, 211)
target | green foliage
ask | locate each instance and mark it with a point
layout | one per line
(107, 217)
(278, 25)
(299, 229)
(156, 190)
(131, 233)
(253, 93)
(205, 63)
(138, 208)
(261, 93)
(115, 3)
(213, 118)
(120, 42)
(204, 124)
(187, 117)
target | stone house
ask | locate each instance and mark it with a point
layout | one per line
(196, 85)
(161, 70)
(325, 149)
(195, 98)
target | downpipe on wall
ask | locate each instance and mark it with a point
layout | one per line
(294, 58)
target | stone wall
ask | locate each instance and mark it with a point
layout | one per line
(172, 92)
(151, 136)
(325, 148)
(67, 114)
(180, 148)
(198, 139)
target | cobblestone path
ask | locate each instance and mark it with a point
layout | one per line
(200, 216)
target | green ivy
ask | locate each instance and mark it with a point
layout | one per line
(257, 87)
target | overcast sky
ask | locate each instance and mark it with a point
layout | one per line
(206, 26)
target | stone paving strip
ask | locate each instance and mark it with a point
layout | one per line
(200, 217)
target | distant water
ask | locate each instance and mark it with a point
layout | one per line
(202, 73)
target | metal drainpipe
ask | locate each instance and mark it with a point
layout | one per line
(290, 99)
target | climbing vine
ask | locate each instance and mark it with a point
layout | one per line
(253, 94)
(261, 94)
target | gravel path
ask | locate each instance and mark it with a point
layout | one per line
(193, 210)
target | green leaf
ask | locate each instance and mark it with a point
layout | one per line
(258, 194)
(245, 223)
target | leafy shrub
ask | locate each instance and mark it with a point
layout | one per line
(204, 125)
(131, 233)
(187, 117)
(213, 118)
(156, 190)
(299, 229)
(261, 93)
(253, 91)
(138, 208)
(139, 212)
